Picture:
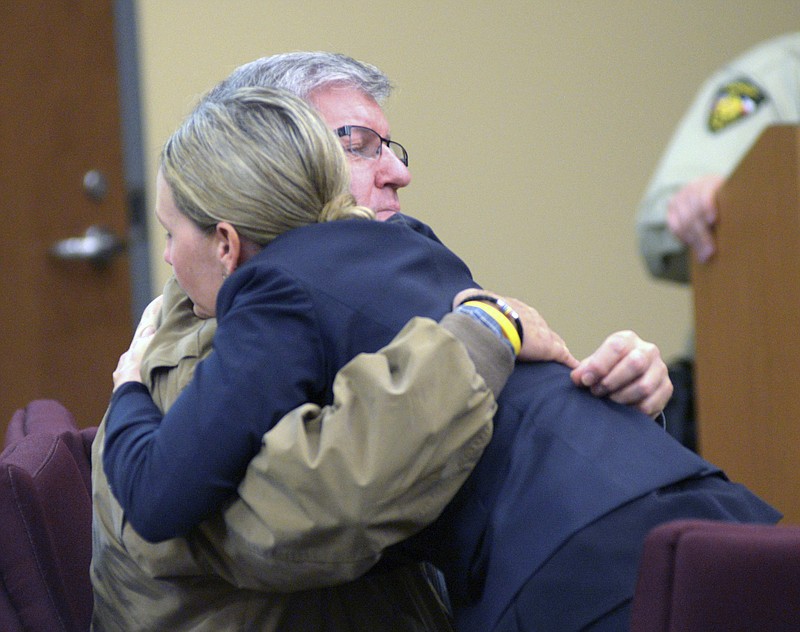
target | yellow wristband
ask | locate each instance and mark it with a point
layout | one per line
(509, 330)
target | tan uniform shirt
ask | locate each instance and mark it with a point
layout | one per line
(758, 89)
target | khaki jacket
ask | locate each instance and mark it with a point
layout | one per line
(330, 490)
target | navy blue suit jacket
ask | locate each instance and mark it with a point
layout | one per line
(559, 458)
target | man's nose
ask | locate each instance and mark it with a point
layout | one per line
(392, 172)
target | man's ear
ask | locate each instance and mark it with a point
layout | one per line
(229, 246)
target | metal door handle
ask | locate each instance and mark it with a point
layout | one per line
(98, 246)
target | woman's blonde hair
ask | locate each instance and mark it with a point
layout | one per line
(262, 160)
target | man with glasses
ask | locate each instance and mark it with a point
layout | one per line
(190, 582)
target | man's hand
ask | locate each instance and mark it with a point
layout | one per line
(692, 214)
(629, 371)
(625, 368)
(539, 342)
(130, 362)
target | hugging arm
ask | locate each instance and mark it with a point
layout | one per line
(332, 487)
(171, 471)
(266, 545)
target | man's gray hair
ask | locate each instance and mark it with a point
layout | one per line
(303, 72)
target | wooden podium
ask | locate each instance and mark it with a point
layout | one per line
(747, 314)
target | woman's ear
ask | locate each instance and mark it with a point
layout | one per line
(228, 245)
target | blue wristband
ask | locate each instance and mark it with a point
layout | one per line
(482, 317)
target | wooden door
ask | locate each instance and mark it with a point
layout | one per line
(63, 323)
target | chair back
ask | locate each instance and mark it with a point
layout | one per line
(707, 575)
(45, 521)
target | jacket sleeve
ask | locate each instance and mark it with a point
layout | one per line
(173, 470)
(332, 487)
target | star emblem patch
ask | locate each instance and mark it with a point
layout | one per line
(734, 101)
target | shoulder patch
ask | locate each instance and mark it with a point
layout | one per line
(734, 101)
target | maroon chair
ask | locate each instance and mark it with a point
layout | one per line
(705, 575)
(45, 521)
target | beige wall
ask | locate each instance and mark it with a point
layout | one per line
(532, 126)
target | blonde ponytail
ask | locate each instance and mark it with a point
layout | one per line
(344, 207)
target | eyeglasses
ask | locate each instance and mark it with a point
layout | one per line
(367, 143)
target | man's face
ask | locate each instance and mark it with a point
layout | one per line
(373, 182)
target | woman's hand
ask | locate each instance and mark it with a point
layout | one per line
(130, 362)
